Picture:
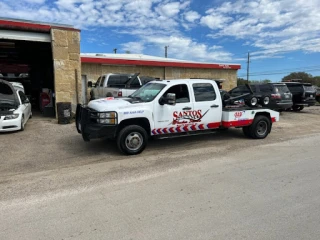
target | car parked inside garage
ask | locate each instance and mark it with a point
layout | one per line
(15, 107)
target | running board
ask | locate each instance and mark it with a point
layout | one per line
(186, 134)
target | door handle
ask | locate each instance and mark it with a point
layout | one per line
(214, 106)
(186, 108)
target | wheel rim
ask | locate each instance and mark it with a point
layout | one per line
(134, 141)
(262, 128)
(266, 101)
(254, 101)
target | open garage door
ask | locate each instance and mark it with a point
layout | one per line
(26, 57)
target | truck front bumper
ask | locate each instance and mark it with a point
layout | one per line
(88, 126)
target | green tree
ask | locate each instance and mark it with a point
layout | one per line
(241, 81)
(305, 77)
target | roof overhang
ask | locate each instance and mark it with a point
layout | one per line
(183, 64)
(13, 24)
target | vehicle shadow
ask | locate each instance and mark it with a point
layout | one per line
(108, 148)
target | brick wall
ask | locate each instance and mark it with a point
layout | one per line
(93, 71)
(67, 66)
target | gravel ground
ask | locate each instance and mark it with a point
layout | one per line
(44, 149)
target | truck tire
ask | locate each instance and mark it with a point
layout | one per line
(253, 101)
(260, 128)
(132, 139)
(265, 101)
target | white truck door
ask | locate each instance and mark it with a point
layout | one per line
(207, 102)
(174, 118)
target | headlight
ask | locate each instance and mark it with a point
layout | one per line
(11, 116)
(107, 118)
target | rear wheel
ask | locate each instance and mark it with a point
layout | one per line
(253, 101)
(260, 127)
(265, 101)
(132, 139)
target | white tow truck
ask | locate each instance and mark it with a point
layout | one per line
(169, 108)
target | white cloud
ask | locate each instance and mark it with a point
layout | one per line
(192, 16)
(35, 1)
(133, 47)
(273, 26)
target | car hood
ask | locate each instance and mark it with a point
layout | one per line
(109, 104)
(8, 95)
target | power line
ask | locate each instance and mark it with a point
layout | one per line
(277, 73)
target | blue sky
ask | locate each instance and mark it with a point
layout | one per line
(281, 36)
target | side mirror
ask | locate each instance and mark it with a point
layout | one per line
(90, 84)
(171, 98)
(26, 101)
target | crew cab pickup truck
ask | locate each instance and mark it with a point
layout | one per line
(165, 109)
(115, 85)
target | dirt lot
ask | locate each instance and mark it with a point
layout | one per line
(46, 147)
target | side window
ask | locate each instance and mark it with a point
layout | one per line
(135, 83)
(22, 97)
(204, 92)
(113, 81)
(102, 81)
(181, 91)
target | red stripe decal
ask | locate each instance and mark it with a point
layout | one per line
(213, 125)
(178, 129)
(273, 119)
(193, 127)
(165, 130)
(154, 132)
(201, 127)
(240, 123)
(159, 131)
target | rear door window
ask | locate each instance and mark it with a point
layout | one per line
(281, 88)
(115, 81)
(135, 83)
(308, 88)
(204, 92)
(102, 81)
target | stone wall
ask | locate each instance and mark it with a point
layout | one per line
(93, 71)
(67, 65)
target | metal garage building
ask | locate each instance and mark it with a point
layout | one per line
(43, 57)
(93, 65)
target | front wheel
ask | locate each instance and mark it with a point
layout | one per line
(22, 124)
(260, 127)
(132, 139)
(297, 108)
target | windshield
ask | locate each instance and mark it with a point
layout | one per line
(148, 92)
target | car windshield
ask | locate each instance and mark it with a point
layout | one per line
(148, 92)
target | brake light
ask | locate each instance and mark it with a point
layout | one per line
(119, 94)
(276, 96)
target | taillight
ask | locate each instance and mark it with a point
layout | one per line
(119, 94)
(276, 96)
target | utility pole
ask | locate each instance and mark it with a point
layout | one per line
(115, 51)
(166, 51)
(248, 63)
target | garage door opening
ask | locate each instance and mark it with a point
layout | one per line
(30, 63)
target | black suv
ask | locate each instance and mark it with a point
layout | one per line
(304, 95)
(275, 96)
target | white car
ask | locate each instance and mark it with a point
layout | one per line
(15, 107)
